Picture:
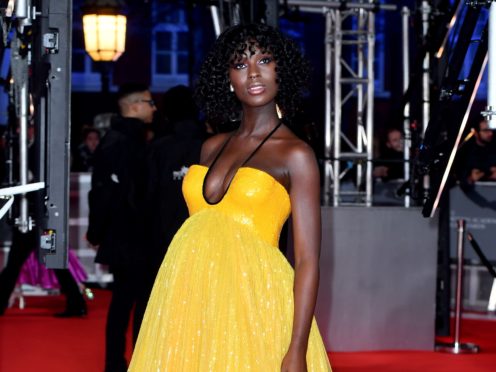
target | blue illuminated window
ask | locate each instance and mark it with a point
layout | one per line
(169, 49)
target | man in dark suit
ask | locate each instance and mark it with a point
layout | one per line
(116, 203)
(168, 161)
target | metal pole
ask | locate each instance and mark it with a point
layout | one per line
(457, 347)
(460, 240)
(214, 12)
(370, 105)
(22, 8)
(23, 13)
(490, 112)
(491, 306)
(23, 154)
(405, 15)
(338, 35)
(361, 19)
(328, 111)
(105, 77)
(426, 11)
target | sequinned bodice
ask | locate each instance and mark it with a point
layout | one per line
(254, 198)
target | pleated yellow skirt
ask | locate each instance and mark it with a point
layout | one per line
(222, 301)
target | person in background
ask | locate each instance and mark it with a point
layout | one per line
(83, 158)
(116, 202)
(478, 155)
(168, 161)
(391, 164)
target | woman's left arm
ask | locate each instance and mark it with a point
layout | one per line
(305, 206)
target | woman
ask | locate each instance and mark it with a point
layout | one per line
(225, 298)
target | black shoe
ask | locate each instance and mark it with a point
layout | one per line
(72, 313)
(3, 306)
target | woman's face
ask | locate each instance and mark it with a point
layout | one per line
(253, 77)
(92, 140)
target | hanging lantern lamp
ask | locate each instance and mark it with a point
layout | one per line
(104, 25)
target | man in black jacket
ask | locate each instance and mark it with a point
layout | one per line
(116, 204)
(167, 163)
(477, 159)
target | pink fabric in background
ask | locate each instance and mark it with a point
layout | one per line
(35, 273)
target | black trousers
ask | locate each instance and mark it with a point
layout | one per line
(22, 246)
(130, 290)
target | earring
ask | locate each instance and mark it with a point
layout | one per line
(231, 88)
(279, 112)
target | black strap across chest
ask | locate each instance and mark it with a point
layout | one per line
(241, 166)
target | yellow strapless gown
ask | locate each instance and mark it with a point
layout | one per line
(223, 298)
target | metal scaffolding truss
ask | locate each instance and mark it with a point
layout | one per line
(350, 44)
(349, 53)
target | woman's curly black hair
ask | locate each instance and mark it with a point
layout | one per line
(292, 71)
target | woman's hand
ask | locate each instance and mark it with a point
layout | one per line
(294, 361)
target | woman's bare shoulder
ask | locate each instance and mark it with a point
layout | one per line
(295, 149)
(301, 166)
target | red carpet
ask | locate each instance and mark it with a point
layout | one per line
(33, 340)
(480, 332)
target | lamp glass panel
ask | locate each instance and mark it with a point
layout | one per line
(95, 56)
(107, 32)
(90, 32)
(116, 56)
(107, 55)
(121, 34)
